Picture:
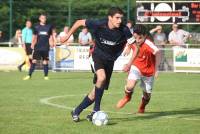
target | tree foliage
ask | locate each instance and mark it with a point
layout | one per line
(57, 11)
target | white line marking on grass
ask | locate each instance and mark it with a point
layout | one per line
(46, 102)
(179, 117)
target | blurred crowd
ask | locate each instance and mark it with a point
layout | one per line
(177, 37)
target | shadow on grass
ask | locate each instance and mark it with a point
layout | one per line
(184, 113)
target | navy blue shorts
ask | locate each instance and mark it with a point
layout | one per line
(28, 49)
(40, 55)
(107, 65)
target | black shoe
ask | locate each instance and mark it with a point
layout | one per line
(75, 117)
(19, 68)
(89, 116)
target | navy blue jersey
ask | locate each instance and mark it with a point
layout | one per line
(109, 43)
(43, 33)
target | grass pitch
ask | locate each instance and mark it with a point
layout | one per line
(43, 107)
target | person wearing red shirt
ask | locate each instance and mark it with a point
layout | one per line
(142, 66)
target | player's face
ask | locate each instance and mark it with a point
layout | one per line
(66, 29)
(159, 30)
(116, 20)
(85, 30)
(28, 24)
(175, 27)
(139, 38)
(43, 19)
(129, 25)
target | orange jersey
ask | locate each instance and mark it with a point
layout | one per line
(145, 59)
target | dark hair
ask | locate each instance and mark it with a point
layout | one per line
(129, 21)
(114, 10)
(28, 20)
(139, 29)
(43, 14)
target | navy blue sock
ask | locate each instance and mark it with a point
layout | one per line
(21, 65)
(46, 69)
(84, 104)
(32, 68)
(98, 95)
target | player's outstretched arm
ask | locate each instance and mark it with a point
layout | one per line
(127, 66)
(75, 26)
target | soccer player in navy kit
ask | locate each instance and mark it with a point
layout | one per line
(42, 38)
(110, 38)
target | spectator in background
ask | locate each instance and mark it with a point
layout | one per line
(64, 33)
(129, 24)
(27, 35)
(178, 37)
(1, 37)
(160, 40)
(85, 37)
(17, 39)
(55, 36)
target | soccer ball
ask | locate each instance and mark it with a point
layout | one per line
(100, 118)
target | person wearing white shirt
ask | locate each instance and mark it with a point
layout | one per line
(85, 37)
(178, 37)
(64, 33)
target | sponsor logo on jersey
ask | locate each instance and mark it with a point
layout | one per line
(43, 33)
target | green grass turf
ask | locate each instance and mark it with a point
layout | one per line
(174, 108)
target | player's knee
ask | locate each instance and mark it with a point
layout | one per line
(101, 79)
(129, 87)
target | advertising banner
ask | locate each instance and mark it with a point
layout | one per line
(64, 57)
(10, 58)
(77, 58)
(168, 12)
(186, 60)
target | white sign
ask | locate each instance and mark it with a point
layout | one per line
(80, 57)
(186, 60)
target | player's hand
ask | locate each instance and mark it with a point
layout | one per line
(126, 68)
(127, 51)
(53, 45)
(64, 39)
(32, 46)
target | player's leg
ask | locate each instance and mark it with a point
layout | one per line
(36, 56)
(145, 100)
(45, 57)
(23, 63)
(87, 101)
(146, 85)
(108, 65)
(99, 88)
(29, 52)
(89, 98)
(133, 77)
(128, 89)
